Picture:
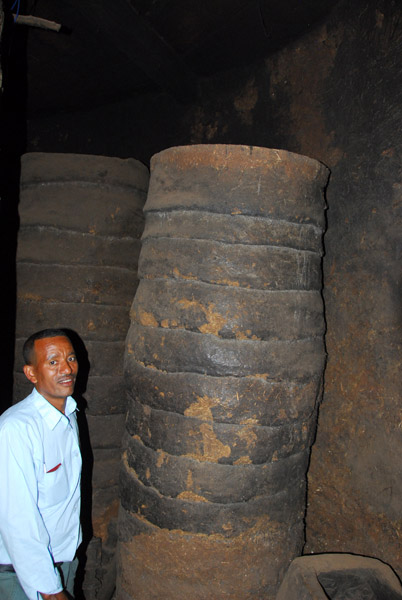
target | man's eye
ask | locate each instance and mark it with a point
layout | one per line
(72, 359)
(52, 362)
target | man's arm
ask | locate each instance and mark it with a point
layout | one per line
(58, 596)
(21, 525)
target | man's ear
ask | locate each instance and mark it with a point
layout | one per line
(29, 371)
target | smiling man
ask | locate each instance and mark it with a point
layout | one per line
(40, 467)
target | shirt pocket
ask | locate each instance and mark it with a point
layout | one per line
(54, 487)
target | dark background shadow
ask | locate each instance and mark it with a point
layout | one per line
(13, 139)
(87, 457)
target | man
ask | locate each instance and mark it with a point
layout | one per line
(40, 472)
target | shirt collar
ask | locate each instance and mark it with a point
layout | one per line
(48, 412)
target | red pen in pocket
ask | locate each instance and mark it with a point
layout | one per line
(54, 468)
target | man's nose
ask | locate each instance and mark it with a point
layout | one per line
(66, 366)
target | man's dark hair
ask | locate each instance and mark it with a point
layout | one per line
(28, 348)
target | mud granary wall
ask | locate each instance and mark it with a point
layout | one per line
(335, 95)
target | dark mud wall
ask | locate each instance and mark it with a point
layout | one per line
(343, 102)
(334, 95)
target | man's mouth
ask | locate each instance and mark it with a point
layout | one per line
(67, 380)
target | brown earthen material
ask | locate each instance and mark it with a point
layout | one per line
(322, 576)
(78, 246)
(224, 360)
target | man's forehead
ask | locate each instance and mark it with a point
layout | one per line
(53, 344)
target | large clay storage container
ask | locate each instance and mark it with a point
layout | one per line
(81, 220)
(224, 362)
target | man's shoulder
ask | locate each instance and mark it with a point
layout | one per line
(19, 413)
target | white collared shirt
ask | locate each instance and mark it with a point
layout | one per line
(40, 473)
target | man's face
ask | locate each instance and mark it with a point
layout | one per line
(54, 369)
